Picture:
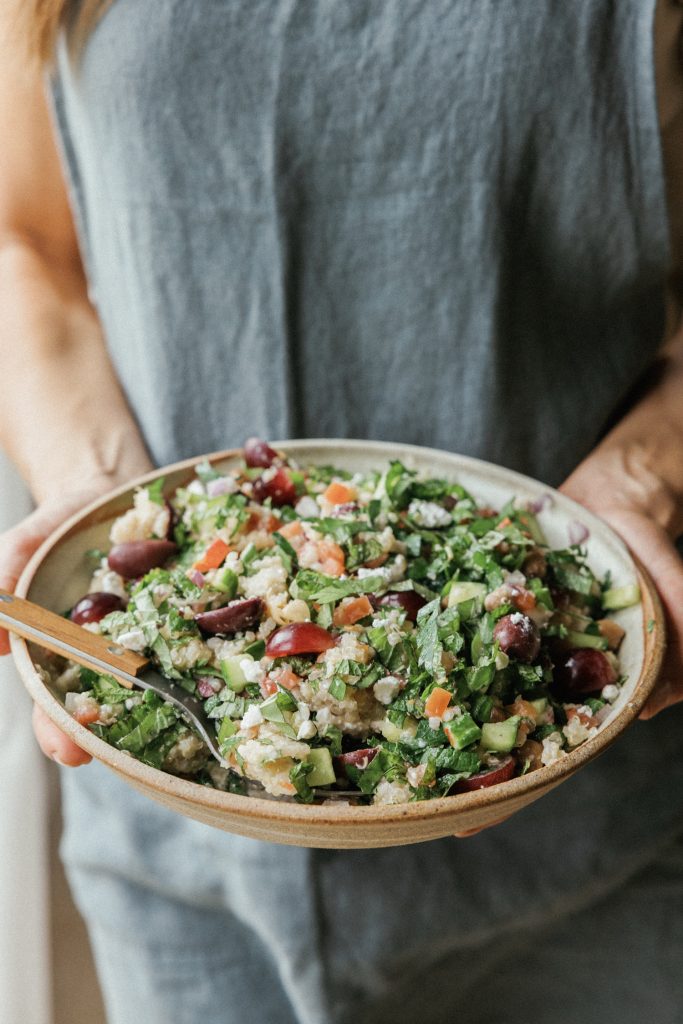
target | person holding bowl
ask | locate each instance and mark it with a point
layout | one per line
(447, 223)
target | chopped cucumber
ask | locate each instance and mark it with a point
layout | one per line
(226, 582)
(621, 597)
(231, 671)
(465, 591)
(394, 733)
(599, 643)
(227, 729)
(531, 524)
(462, 731)
(323, 770)
(500, 736)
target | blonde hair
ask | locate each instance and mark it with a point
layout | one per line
(44, 18)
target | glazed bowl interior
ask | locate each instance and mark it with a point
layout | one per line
(59, 574)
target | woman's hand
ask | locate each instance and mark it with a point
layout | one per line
(16, 548)
(620, 485)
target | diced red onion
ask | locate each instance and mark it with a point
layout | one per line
(221, 485)
(578, 532)
(197, 577)
(544, 501)
(207, 686)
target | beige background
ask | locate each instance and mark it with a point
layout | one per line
(46, 970)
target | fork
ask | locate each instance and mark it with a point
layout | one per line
(104, 656)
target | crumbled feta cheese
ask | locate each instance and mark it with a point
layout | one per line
(107, 581)
(307, 731)
(303, 711)
(610, 693)
(307, 507)
(386, 689)
(146, 519)
(253, 673)
(252, 717)
(576, 732)
(434, 723)
(392, 793)
(296, 611)
(552, 748)
(132, 639)
(415, 774)
(428, 514)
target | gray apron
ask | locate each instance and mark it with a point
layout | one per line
(433, 221)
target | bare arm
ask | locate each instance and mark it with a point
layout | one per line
(63, 418)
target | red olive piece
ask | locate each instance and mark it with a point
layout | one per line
(358, 758)
(137, 557)
(491, 777)
(276, 485)
(518, 637)
(231, 618)
(95, 606)
(408, 600)
(584, 670)
(259, 453)
(298, 638)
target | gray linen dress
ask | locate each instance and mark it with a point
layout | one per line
(433, 221)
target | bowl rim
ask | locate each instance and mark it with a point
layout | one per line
(272, 810)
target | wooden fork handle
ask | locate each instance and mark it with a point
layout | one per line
(62, 636)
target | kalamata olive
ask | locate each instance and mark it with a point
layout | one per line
(137, 557)
(491, 777)
(408, 600)
(259, 453)
(583, 670)
(231, 618)
(172, 521)
(277, 485)
(358, 758)
(95, 606)
(518, 636)
(298, 638)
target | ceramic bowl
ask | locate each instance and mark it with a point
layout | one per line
(58, 575)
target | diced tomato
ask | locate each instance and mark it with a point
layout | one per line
(268, 687)
(522, 598)
(86, 715)
(338, 493)
(292, 529)
(352, 610)
(213, 556)
(285, 677)
(272, 523)
(506, 521)
(437, 702)
(331, 558)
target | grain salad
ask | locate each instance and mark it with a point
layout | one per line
(383, 632)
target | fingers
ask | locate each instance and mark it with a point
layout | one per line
(55, 744)
(22, 541)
